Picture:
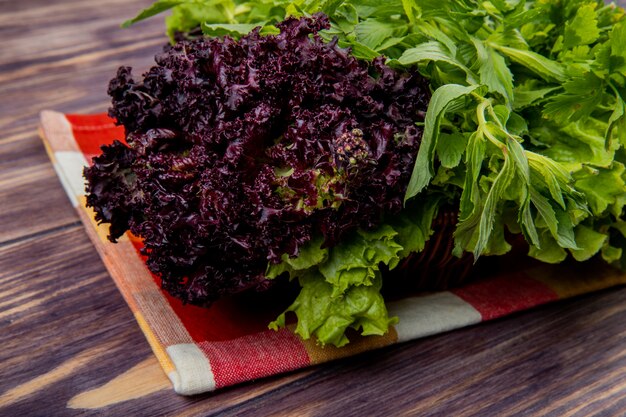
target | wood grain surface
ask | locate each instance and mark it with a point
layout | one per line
(70, 345)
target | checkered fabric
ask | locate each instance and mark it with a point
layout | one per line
(206, 349)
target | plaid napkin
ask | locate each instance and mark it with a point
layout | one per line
(205, 349)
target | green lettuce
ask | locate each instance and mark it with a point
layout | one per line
(341, 285)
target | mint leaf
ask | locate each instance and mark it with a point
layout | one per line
(545, 68)
(327, 6)
(157, 7)
(581, 97)
(360, 50)
(450, 148)
(188, 16)
(471, 197)
(488, 215)
(410, 6)
(434, 51)
(443, 98)
(493, 71)
(530, 93)
(433, 32)
(372, 32)
(522, 16)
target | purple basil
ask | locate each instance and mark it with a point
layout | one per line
(240, 151)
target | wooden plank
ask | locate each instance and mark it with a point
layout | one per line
(31, 198)
(68, 27)
(77, 85)
(70, 70)
(69, 342)
(61, 73)
(559, 360)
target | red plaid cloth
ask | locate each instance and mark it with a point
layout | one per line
(205, 349)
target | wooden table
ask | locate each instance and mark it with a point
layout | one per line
(70, 346)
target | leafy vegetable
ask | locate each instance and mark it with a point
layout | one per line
(239, 152)
(525, 133)
(443, 99)
(341, 285)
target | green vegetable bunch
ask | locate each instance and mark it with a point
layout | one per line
(525, 133)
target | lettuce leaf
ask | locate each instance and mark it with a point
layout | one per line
(327, 316)
(341, 285)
